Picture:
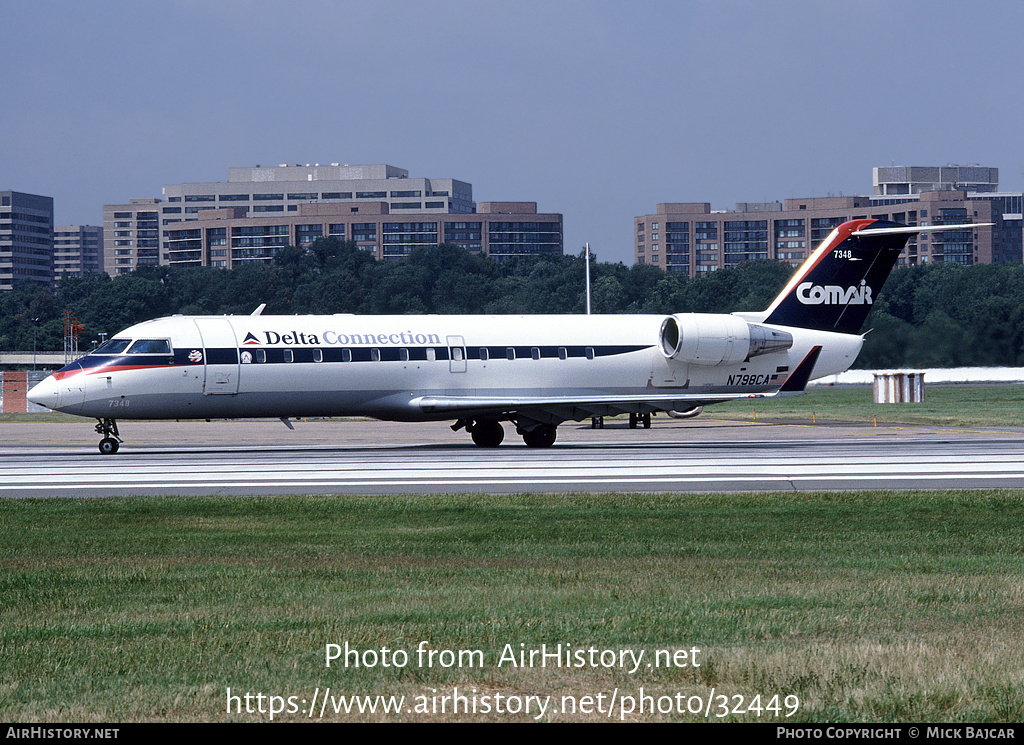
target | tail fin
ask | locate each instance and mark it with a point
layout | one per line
(836, 286)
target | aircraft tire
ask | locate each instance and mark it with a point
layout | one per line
(540, 437)
(488, 434)
(108, 446)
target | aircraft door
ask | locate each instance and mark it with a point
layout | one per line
(456, 354)
(220, 356)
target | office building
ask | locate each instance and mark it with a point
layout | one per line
(131, 236)
(26, 239)
(693, 239)
(77, 250)
(903, 180)
(259, 210)
(281, 189)
(230, 237)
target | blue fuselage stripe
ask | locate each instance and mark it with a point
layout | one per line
(273, 355)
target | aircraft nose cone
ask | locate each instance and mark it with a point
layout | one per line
(44, 393)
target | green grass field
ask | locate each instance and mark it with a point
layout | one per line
(874, 606)
(952, 405)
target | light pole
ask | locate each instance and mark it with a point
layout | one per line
(586, 259)
(35, 326)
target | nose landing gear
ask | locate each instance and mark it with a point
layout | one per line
(111, 439)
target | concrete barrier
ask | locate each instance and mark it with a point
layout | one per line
(36, 359)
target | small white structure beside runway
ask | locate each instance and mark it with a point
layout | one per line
(899, 388)
(936, 375)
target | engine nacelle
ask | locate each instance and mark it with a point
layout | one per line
(718, 339)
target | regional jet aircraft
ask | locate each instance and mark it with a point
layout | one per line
(533, 371)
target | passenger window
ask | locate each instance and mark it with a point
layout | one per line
(261, 355)
(562, 353)
(483, 354)
(535, 352)
(590, 353)
(288, 356)
(318, 355)
(403, 355)
(510, 352)
(375, 355)
(431, 354)
(346, 355)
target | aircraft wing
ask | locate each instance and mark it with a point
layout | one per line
(572, 407)
(563, 408)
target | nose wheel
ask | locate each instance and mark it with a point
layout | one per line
(109, 446)
(111, 439)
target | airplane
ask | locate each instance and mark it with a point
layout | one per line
(533, 371)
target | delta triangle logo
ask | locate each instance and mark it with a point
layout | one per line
(250, 339)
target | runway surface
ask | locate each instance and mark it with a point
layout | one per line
(354, 457)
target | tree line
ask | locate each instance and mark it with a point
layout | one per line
(940, 315)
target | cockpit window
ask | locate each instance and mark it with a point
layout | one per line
(114, 346)
(150, 346)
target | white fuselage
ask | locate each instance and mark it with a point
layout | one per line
(387, 367)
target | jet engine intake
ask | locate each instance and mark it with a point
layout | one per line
(718, 339)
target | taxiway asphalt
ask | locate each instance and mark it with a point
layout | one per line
(39, 459)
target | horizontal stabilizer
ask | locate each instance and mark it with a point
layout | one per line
(911, 229)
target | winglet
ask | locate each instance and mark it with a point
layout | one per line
(798, 380)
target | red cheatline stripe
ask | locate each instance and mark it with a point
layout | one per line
(62, 374)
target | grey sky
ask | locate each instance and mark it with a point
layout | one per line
(597, 110)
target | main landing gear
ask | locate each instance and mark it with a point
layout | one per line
(111, 439)
(488, 433)
(644, 419)
(541, 436)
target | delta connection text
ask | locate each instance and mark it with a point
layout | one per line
(334, 338)
(560, 655)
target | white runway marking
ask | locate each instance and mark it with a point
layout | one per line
(825, 463)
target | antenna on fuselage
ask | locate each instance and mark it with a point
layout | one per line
(259, 310)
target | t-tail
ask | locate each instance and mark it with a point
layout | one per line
(837, 285)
